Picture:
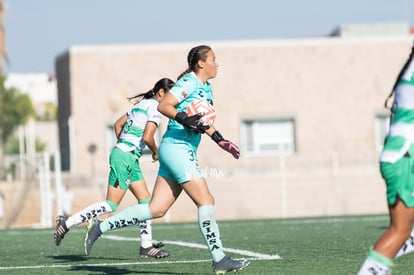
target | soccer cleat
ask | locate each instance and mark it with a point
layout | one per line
(153, 251)
(158, 244)
(227, 264)
(61, 229)
(93, 232)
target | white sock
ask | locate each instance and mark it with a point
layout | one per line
(375, 264)
(145, 230)
(407, 247)
(92, 211)
(371, 267)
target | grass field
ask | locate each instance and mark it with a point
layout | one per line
(326, 245)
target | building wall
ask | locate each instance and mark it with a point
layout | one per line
(331, 87)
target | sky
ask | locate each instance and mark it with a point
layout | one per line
(37, 31)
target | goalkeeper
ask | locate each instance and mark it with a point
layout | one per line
(179, 168)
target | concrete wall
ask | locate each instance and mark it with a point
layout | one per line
(331, 87)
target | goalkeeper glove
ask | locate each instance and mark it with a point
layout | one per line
(191, 122)
(226, 145)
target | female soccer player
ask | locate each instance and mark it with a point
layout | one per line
(134, 130)
(179, 168)
(397, 166)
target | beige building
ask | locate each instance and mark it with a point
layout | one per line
(307, 113)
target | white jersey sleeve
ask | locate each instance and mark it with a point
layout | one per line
(133, 130)
(153, 114)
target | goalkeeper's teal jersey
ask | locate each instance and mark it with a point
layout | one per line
(401, 133)
(187, 89)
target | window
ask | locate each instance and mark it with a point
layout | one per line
(269, 136)
(382, 123)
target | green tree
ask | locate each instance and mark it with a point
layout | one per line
(46, 111)
(12, 146)
(15, 109)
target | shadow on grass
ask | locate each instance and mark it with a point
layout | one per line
(107, 270)
(69, 258)
(79, 258)
(95, 269)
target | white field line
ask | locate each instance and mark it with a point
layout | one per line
(251, 254)
(255, 256)
(196, 245)
(99, 264)
(112, 264)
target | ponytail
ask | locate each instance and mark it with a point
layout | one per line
(184, 73)
(404, 68)
(195, 54)
(164, 83)
(139, 97)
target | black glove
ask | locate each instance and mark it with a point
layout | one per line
(226, 145)
(191, 122)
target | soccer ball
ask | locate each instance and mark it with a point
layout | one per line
(204, 107)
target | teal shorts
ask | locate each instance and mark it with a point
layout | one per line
(178, 162)
(399, 178)
(124, 168)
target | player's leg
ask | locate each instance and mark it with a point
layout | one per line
(406, 193)
(63, 224)
(187, 172)
(118, 181)
(407, 247)
(379, 259)
(147, 248)
(164, 195)
(139, 189)
(198, 191)
(399, 180)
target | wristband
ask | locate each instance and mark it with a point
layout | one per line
(217, 137)
(180, 117)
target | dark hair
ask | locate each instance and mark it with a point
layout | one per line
(196, 54)
(164, 83)
(404, 68)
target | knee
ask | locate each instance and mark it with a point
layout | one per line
(158, 213)
(207, 200)
(406, 232)
(402, 230)
(212, 200)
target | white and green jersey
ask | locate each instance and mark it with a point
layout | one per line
(133, 130)
(401, 133)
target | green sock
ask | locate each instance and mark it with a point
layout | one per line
(129, 216)
(210, 231)
(375, 263)
(145, 201)
(379, 258)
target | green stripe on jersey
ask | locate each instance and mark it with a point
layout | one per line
(394, 143)
(406, 81)
(404, 116)
(136, 131)
(139, 110)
